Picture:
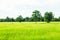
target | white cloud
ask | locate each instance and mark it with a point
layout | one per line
(13, 8)
(27, 2)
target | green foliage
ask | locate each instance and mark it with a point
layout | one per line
(42, 19)
(36, 16)
(8, 19)
(56, 19)
(59, 18)
(48, 16)
(19, 19)
(27, 19)
(2, 20)
(12, 20)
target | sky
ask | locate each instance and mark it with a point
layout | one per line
(14, 8)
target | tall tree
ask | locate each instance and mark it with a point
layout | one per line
(48, 16)
(36, 16)
(19, 18)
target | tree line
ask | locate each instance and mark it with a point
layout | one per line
(36, 17)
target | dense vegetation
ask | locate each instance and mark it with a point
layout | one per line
(36, 17)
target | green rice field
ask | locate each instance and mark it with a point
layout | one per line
(29, 31)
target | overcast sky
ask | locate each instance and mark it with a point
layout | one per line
(13, 8)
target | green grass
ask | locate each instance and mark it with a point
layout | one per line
(29, 31)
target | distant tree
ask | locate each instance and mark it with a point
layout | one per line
(19, 19)
(12, 20)
(2, 20)
(27, 19)
(56, 19)
(59, 18)
(7, 19)
(48, 16)
(42, 19)
(31, 19)
(36, 16)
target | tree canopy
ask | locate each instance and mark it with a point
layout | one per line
(48, 16)
(36, 17)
